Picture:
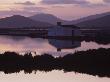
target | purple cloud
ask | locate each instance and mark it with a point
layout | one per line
(13, 12)
(64, 2)
(26, 11)
(107, 1)
(33, 8)
(26, 3)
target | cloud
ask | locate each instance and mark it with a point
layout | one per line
(64, 2)
(26, 3)
(25, 11)
(106, 1)
(84, 3)
(81, 3)
(33, 8)
(14, 12)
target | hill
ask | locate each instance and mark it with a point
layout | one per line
(102, 22)
(49, 18)
(91, 17)
(18, 21)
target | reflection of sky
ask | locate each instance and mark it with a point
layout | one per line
(26, 44)
(54, 76)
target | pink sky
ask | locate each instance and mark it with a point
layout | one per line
(66, 9)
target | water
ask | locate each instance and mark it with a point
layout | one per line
(54, 47)
(54, 76)
(40, 46)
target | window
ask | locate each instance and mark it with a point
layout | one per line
(72, 32)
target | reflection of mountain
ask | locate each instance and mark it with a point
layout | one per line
(64, 44)
(16, 38)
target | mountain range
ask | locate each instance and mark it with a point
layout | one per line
(100, 23)
(47, 20)
(93, 21)
(17, 21)
(91, 17)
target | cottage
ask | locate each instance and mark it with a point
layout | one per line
(64, 31)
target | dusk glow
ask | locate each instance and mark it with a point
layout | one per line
(60, 8)
(55, 41)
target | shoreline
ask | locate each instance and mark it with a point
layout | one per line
(92, 62)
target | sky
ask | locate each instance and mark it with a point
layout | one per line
(65, 9)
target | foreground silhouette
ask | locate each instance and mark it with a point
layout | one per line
(93, 62)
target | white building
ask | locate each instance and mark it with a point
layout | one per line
(64, 31)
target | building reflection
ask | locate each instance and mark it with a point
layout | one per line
(64, 44)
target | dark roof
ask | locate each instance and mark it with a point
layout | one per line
(70, 26)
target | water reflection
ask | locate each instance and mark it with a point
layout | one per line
(24, 44)
(92, 62)
(64, 44)
(40, 46)
(54, 76)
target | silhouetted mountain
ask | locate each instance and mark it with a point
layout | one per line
(18, 21)
(101, 23)
(91, 17)
(49, 18)
(45, 20)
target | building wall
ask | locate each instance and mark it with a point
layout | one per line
(60, 31)
(77, 32)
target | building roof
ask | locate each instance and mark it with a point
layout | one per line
(66, 26)
(70, 26)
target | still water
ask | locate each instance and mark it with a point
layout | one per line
(54, 47)
(40, 46)
(53, 76)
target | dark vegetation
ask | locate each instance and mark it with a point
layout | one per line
(93, 62)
